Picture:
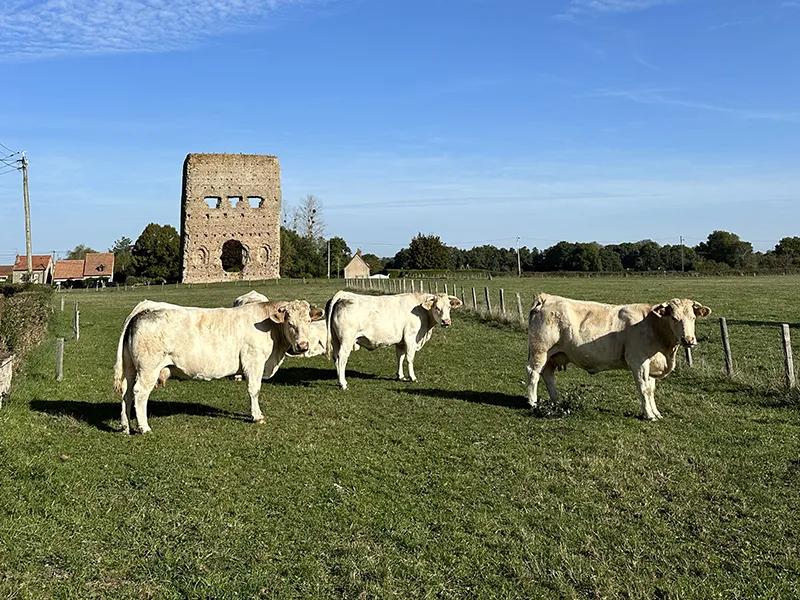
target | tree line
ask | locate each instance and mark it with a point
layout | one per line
(720, 252)
(306, 252)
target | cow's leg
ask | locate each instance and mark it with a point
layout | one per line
(642, 377)
(340, 359)
(536, 363)
(411, 352)
(253, 371)
(652, 396)
(400, 350)
(549, 376)
(141, 393)
(127, 400)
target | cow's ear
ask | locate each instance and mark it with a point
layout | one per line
(278, 316)
(316, 314)
(662, 309)
(429, 302)
(455, 302)
(700, 310)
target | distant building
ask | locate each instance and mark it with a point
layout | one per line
(96, 266)
(41, 271)
(6, 272)
(357, 267)
(99, 265)
(68, 269)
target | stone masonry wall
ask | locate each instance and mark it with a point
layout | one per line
(230, 183)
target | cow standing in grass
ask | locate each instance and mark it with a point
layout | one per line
(405, 321)
(209, 343)
(644, 338)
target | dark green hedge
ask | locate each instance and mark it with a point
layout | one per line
(25, 312)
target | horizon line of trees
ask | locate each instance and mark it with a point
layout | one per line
(721, 251)
(304, 253)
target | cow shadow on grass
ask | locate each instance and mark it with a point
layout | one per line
(102, 414)
(491, 398)
(303, 376)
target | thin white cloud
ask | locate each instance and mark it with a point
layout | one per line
(657, 97)
(638, 59)
(598, 7)
(45, 28)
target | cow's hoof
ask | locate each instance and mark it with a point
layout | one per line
(148, 430)
(125, 431)
(259, 421)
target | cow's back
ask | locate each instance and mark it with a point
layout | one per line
(592, 335)
(374, 321)
(203, 343)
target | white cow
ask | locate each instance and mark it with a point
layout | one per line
(317, 337)
(165, 373)
(403, 320)
(209, 343)
(249, 298)
(600, 337)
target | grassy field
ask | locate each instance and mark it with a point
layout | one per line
(444, 488)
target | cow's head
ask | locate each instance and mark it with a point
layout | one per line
(679, 314)
(295, 319)
(439, 305)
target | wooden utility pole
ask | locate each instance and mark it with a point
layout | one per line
(24, 162)
(519, 262)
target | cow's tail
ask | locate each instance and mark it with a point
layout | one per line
(537, 306)
(329, 308)
(119, 371)
(119, 367)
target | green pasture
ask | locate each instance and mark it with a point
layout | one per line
(444, 488)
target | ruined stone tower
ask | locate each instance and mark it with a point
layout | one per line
(230, 217)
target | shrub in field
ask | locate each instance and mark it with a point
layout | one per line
(25, 311)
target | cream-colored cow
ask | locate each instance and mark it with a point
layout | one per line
(405, 321)
(318, 335)
(249, 298)
(209, 343)
(600, 337)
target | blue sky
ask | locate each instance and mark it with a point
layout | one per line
(476, 120)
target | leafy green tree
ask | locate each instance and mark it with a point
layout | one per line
(123, 258)
(610, 259)
(528, 258)
(375, 263)
(649, 257)
(671, 257)
(586, 257)
(79, 252)
(340, 256)
(428, 252)
(558, 257)
(156, 253)
(401, 260)
(300, 256)
(725, 247)
(790, 247)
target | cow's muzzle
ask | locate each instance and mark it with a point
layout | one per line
(446, 323)
(689, 341)
(297, 349)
